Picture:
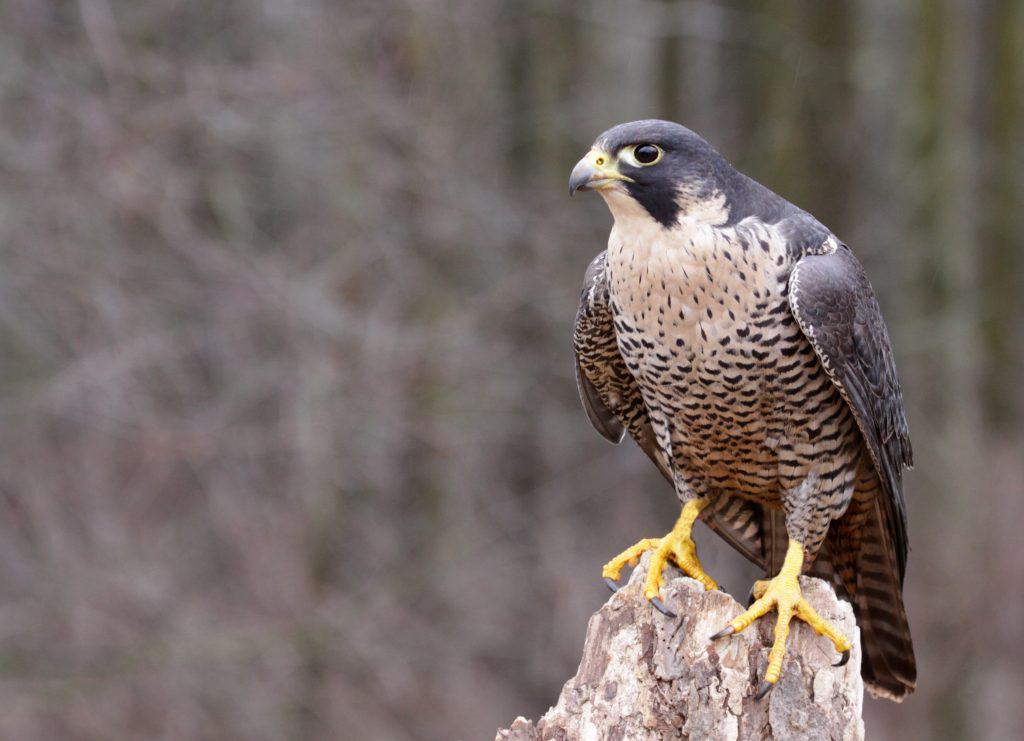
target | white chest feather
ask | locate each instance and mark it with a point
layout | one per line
(692, 286)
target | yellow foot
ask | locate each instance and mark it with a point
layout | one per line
(677, 546)
(783, 594)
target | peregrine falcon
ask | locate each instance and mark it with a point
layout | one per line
(740, 344)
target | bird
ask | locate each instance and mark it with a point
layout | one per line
(739, 342)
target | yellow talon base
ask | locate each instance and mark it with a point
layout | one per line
(783, 594)
(677, 546)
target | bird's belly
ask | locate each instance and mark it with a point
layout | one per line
(722, 365)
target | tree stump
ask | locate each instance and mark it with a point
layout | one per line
(646, 676)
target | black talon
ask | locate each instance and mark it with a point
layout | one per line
(751, 599)
(763, 690)
(844, 658)
(612, 584)
(728, 630)
(660, 607)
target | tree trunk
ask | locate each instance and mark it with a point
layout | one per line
(647, 676)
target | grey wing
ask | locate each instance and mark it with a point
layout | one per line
(614, 404)
(833, 303)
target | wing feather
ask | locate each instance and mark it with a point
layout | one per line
(833, 303)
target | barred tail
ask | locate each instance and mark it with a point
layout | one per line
(867, 567)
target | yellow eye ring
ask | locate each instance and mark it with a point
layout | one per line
(647, 154)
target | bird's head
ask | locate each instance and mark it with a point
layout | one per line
(657, 166)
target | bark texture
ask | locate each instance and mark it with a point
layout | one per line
(647, 676)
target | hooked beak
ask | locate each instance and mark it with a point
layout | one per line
(596, 171)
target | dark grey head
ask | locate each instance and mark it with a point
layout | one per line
(668, 170)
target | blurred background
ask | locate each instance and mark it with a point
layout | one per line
(290, 445)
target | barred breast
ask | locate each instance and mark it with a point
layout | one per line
(735, 390)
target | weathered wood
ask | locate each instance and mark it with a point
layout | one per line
(646, 676)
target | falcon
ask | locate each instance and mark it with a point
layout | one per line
(739, 343)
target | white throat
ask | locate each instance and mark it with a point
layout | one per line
(698, 227)
(694, 211)
(624, 207)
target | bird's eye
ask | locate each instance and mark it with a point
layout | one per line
(646, 154)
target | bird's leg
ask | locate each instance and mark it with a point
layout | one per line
(677, 546)
(783, 594)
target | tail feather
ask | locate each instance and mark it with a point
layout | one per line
(738, 521)
(865, 562)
